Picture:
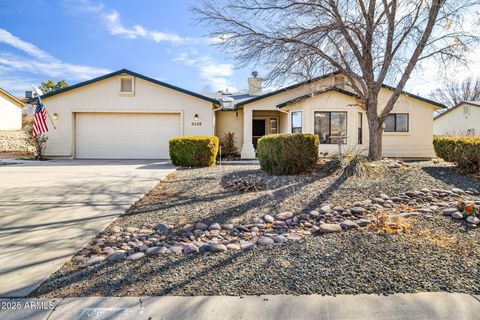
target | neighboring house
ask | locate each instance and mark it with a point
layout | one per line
(461, 120)
(10, 111)
(130, 116)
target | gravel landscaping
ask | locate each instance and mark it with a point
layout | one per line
(234, 230)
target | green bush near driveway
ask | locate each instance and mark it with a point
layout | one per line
(193, 151)
(464, 151)
(285, 154)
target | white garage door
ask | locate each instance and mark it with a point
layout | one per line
(125, 135)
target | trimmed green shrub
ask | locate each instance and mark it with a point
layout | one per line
(282, 154)
(464, 151)
(194, 151)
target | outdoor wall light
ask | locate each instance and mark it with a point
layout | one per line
(195, 118)
(55, 116)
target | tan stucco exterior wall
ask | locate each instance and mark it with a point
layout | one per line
(456, 122)
(10, 115)
(230, 121)
(417, 143)
(104, 96)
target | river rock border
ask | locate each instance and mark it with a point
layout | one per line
(131, 243)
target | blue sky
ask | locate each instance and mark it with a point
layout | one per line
(80, 39)
(77, 40)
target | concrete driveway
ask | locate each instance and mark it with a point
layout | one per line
(50, 210)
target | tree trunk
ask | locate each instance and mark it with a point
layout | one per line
(375, 141)
(375, 130)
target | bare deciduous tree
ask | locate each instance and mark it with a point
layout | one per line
(454, 92)
(369, 41)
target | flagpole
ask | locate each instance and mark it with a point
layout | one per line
(39, 93)
(46, 111)
(48, 114)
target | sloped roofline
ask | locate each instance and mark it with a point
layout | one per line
(269, 94)
(317, 93)
(472, 103)
(14, 99)
(131, 73)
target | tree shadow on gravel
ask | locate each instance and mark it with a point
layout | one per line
(103, 279)
(452, 176)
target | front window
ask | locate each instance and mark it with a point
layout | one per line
(297, 122)
(273, 125)
(396, 122)
(331, 127)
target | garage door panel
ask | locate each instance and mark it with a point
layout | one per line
(125, 136)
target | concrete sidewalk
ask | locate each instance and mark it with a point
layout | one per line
(369, 307)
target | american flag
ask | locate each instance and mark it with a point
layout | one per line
(40, 120)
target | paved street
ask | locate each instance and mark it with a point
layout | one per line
(50, 210)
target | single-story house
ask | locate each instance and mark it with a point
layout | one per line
(126, 115)
(10, 111)
(461, 120)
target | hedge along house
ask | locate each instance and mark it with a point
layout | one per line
(124, 115)
(328, 107)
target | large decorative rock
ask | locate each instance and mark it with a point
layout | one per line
(268, 218)
(95, 259)
(329, 228)
(473, 220)
(201, 226)
(117, 256)
(215, 226)
(258, 220)
(458, 191)
(265, 241)
(358, 210)
(294, 236)
(157, 250)
(190, 248)
(449, 211)
(348, 224)
(314, 214)
(362, 222)
(233, 246)
(284, 215)
(219, 248)
(135, 256)
(279, 239)
(176, 249)
(357, 204)
(246, 245)
(457, 215)
(188, 228)
(325, 209)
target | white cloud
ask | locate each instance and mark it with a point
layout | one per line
(34, 61)
(8, 38)
(113, 23)
(217, 75)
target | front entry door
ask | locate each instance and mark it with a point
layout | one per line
(258, 130)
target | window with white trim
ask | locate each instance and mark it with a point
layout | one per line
(397, 122)
(297, 122)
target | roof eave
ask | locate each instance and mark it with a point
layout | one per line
(131, 73)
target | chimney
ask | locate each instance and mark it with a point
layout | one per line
(255, 84)
(29, 94)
